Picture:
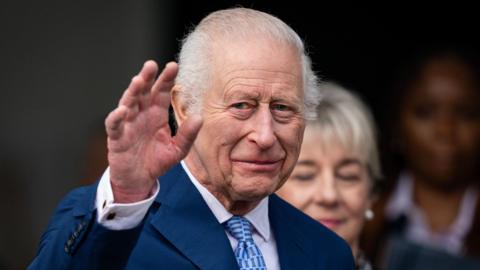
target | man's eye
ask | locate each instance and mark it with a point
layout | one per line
(280, 107)
(241, 105)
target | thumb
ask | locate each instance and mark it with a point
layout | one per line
(186, 134)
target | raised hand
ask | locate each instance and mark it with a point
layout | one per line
(140, 147)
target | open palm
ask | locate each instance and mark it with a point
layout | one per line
(140, 147)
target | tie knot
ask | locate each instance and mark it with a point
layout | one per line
(240, 228)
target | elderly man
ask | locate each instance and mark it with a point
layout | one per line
(204, 198)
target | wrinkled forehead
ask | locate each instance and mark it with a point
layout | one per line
(256, 47)
(257, 62)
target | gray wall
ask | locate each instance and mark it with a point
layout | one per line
(63, 67)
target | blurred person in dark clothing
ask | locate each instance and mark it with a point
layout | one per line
(429, 215)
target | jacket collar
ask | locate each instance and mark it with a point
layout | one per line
(291, 241)
(186, 221)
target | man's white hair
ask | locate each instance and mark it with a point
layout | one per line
(196, 54)
(342, 116)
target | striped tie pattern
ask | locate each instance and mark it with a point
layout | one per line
(249, 256)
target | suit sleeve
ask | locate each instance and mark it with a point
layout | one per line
(119, 216)
(74, 240)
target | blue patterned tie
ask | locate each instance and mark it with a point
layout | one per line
(249, 256)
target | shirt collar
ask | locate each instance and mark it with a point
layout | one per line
(402, 200)
(258, 216)
(402, 203)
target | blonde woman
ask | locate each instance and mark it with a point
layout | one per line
(335, 175)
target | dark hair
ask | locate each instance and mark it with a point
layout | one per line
(410, 69)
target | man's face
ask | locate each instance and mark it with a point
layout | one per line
(253, 121)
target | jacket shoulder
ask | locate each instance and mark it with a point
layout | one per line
(79, 201)
(72, 217)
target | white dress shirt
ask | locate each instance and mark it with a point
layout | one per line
(117, 216)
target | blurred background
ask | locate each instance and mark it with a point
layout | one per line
(65, 64)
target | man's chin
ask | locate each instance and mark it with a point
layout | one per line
(252, 193)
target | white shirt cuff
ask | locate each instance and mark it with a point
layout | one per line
(119, 216)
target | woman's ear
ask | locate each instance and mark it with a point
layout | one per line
(178, 104)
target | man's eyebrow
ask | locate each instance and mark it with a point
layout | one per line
(283, 97)
(243, 94)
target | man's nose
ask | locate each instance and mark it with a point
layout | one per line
(263, 133)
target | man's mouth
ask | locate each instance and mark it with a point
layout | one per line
(259, 165)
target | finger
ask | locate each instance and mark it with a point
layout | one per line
(115, 121)
(148, 74)
(169, 72)
(131, 96)
(141, 83)
(166, 79)
(163, 85)
(149, 71)
(187, 133)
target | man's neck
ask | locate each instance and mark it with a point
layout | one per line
(231, 204)
(236, 207)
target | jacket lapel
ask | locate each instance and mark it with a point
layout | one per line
(291, 243)
(186, 221)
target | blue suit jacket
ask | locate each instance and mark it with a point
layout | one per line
(178, 232)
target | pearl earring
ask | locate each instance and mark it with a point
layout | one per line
(369, 214)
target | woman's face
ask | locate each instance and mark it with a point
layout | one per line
(440, 124)
(330, 184)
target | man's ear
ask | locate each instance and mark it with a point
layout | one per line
(179, 106)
